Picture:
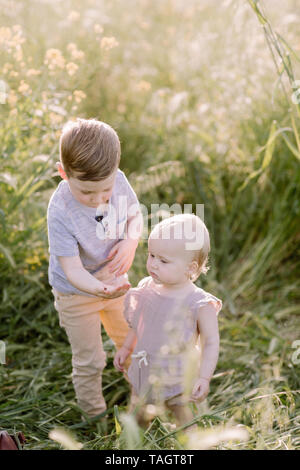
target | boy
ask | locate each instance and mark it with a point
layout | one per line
(94, 223)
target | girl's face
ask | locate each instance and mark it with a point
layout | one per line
(168, 262)
(91, 193)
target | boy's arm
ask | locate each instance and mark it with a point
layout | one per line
(122, 254)
(83, 280)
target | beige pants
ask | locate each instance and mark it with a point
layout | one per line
(81, 316)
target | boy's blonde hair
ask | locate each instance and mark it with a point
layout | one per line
(89, 147)
(192, 230)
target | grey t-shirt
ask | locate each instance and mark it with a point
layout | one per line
(73, 230)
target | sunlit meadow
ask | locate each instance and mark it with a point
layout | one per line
(204, 97)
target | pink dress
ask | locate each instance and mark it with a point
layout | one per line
(165, 328)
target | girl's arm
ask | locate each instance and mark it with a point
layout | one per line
(209, 336)
(125, 350)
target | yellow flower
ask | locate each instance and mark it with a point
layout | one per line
(18, 55)
(13, 73)
(5, 35)
(108, 43)
(54, 58)
(12, 98)
(71, 68)
(98, 29)
(32, 72)
(143, 86)
(79, 95)
(74, 16)
(55, 119)
(33, 260)
(76, 53)
(6, 68)
(121, 108)
(24, 88)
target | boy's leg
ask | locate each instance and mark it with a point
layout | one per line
(114, 323)
(79, 315)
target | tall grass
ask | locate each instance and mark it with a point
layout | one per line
(201, 96)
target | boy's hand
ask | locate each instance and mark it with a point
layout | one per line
(123, 254)
(120, 358)
(107, 291)
(200, 390)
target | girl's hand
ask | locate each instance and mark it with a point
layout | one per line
(200, 390)
(120, 358)
(123, 254)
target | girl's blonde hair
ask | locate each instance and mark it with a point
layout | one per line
(89, 147)
(192, 230)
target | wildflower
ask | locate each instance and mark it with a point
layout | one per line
(75, 53)
(98, 29)
(71, 68)
(54, 58)
(5, 35)
(55, 119)
(32, 72)
(24, 88)
(12, 98)
(121, 108)
(79, 95)
(73, 16)
(143, 86)
(44, 95)
(108, 43)
(6, 68)
(13, 73)
(18, 55)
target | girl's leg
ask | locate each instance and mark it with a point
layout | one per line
(181, 411)
(138, 410)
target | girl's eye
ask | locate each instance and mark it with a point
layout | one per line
(165, 262)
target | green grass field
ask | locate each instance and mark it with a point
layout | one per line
(204, 97)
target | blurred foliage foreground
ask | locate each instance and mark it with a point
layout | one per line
(203, 118)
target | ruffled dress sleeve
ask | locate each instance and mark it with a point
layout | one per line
(132, 302)
(206, 298)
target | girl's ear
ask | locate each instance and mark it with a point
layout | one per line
(192, 269)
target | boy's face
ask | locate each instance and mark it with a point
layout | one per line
(90, 193)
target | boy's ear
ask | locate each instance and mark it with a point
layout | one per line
(61, 171)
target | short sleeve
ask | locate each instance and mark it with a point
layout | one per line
(209, 299)
(62, 241)
(132, 201)
(130, 307)
(145, 282)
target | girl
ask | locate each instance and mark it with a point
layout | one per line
(166, 313)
